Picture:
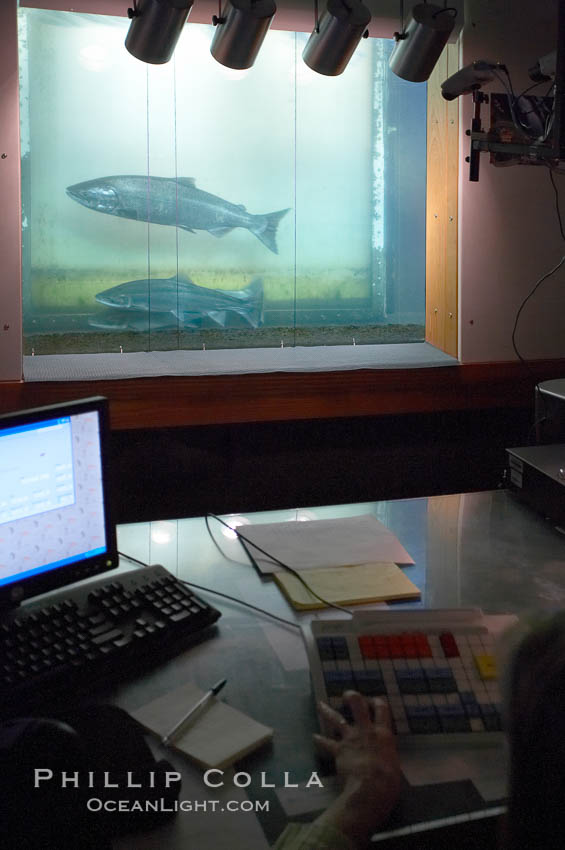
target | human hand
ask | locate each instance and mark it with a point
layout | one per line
(367, 761)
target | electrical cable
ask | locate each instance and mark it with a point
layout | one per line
(241, 602)
(540, 394)
(217, 545)
(280, 563)
(131, 558)
(514, 102)
(525, 301)
(538, 421)
(512, 99)
(219, 593)
(556, 190)
(550, 115)
(527, 298)
(550, 89)
(533, 86)
(543, 112)
(548, 126)
(515, 347)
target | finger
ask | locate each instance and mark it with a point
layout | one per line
(381, 712)
(332, 717)
(383, 726)
(326, 745)
(360, 708)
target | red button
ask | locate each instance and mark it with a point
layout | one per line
(449, 645)
(423, 646)
(366, 646)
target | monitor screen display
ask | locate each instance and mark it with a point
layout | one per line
(54, 516)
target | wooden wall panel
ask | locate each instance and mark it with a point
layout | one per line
(441, 209)
(285, 396)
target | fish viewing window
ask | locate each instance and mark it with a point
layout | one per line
(189, 206)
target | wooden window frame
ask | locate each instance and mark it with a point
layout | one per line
(442, 209)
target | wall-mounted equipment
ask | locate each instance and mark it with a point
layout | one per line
(524, 129)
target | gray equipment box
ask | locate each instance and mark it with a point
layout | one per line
(537, 477)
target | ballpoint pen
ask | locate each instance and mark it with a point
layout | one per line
(215, 689)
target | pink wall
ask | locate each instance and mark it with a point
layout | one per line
(291, 14)
(509, 234)
(10, 218)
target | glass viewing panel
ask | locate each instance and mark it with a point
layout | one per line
(189, 205)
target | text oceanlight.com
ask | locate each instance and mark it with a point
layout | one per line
(95, 804)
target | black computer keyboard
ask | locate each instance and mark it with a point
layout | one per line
(103, 630)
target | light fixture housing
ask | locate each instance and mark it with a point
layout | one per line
(333, 41)
(418, 48)
(155, 28)
(240, 32)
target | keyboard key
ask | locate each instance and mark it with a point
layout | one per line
(440, 680)
(422, 719)
(338, 681)
(491, 717)
(370, 683)
(395, 647)
(453, 718)
(366, 645)
(423, 647)
(486, 665)
(449, 645)
(412, 682)
(107, 637)
(325, 648)
(340, 648)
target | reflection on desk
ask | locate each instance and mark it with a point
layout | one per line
(477, 549)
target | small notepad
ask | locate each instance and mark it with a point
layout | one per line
(348, 585)
(218, 735)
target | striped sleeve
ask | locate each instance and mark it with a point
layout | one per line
(314, 836)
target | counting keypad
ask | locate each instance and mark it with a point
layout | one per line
(435, 681)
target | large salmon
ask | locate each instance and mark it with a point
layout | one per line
(177, 202)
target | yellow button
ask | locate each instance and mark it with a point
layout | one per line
(486, 666)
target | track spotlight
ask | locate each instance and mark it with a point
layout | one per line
(155, 28)
(419, 46)
(335, 37)
(240, 30)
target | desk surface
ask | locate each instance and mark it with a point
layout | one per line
(477, 549)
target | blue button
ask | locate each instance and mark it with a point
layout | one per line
(453, 718)
(325, 648)
(369, 682)
(422, 719)
(338, 681)
(411, 681)
(340, 647)
(441, 680)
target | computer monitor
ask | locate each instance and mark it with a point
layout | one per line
(56, 524)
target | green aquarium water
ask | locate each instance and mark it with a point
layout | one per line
(189, 205)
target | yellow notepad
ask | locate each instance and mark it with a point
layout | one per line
(348, 585)
(218, 736)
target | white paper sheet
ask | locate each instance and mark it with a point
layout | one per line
(324, 543)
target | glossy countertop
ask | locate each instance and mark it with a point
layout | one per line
(470, 550)
(473, 549)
